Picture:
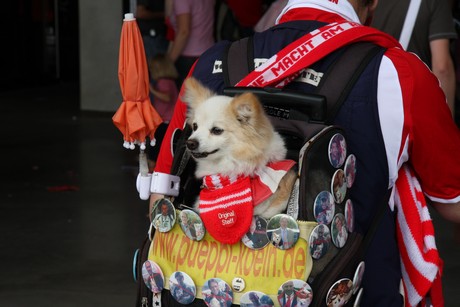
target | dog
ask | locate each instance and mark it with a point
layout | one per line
(276, 239)
(232, 136)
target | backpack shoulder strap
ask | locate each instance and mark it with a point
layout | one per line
(238, 61)
(240, 54)
(343, 74)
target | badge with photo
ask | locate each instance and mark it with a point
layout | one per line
(283, 231)
(182, 287)
(339, 230)
(340, 293)
(163, 215)
(216, 292)
(337, 150)
(295, 292)
(349, 215)
(255, 298)
(153, 276)
(324, 207)
(350, 170)
(319, 242)
(191, 224)
(256, 237)
(339, 186)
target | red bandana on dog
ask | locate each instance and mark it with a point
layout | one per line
(227, 204)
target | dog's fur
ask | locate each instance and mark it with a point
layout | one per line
(234, 136)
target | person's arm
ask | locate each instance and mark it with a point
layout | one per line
(182, 35)
(443, 67)
(164, 96)
(450, 212)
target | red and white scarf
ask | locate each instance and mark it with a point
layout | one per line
(227, 203)
(420, 261)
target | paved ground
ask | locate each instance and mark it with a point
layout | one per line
(70, 217)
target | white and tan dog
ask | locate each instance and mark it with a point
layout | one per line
(232, 136)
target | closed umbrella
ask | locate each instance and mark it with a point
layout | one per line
(135, 118)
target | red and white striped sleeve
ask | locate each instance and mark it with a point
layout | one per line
(417, 125)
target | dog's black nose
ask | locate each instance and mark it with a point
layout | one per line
(192, 144)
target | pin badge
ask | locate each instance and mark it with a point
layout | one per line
(359, 296)
(339, 186)
(256, 237)
(320, 240)
(191, 224)
(182, 287)
(152, 276)
(324, 207)
(358, 277)
(295, 292)
(339, 230)
(340, 293)
(337, 150)
(283, 231)
(163, 215)
(349, 215)
(217, 292)
(238, 284)
(350, 170)
(255, 298)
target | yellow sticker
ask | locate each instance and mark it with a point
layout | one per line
(208, 258)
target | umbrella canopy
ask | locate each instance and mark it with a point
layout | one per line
(135, 118)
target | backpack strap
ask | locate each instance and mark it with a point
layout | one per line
(335, 85)
(241, 55)
(343, 74)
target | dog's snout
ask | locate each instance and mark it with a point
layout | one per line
(192, 144)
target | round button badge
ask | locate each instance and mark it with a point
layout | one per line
(255, 298)
(191, 224)
(349, 215)
(337, 150)
(339, 230)
(350, 170)
(182, 287)
(283, 231)
(340, 293)
(216, 292)
(152, 276)
(256, 237)
(319, 242)
(163, 215)
(324, 207)
(238, 284)
(339, 186)
(358, 277)
(295, 292)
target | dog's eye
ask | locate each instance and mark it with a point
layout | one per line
(194, 126)
(216, 131)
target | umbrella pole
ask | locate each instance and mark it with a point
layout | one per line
(143, 178)
(143, 164)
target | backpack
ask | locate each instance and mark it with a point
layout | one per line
(303, 120)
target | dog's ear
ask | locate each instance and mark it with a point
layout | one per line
(246, 108)
(195, 93)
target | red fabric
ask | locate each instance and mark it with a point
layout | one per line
(226, 211)
(226, 204)
(247, 13)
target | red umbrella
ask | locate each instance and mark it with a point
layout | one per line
(135, 118)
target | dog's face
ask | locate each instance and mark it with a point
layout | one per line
(230, 135)
(276, 238)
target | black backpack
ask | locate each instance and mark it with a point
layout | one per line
(304, 121)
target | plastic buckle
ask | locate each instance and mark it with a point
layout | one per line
(165, 184)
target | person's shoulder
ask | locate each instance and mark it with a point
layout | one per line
(410, 69)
